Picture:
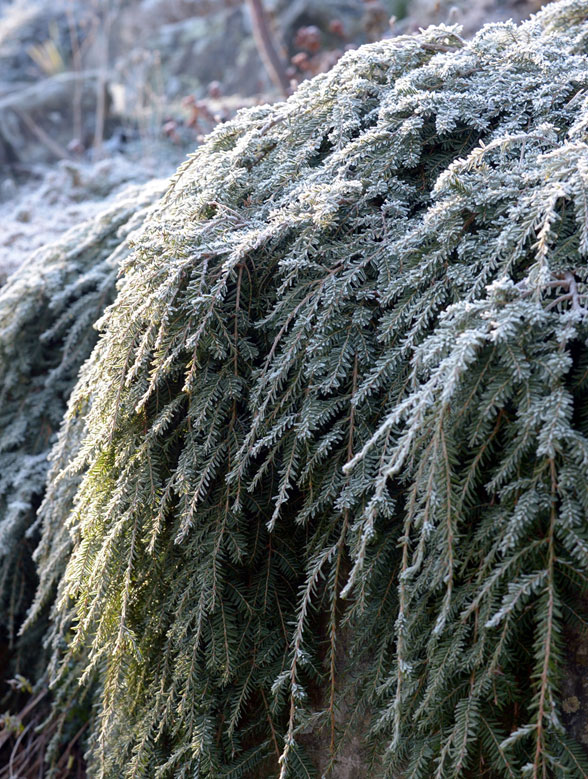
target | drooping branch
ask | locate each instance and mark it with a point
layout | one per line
(338, 274)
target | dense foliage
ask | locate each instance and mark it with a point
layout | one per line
(325, 470)
(47, 313)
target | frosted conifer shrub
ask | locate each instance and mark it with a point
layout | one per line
(332, 443)
(47, 312)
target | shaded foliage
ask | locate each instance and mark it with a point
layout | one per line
(337, 404)
(47, 312)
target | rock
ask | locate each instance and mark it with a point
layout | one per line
(200, 42)
(218, 47)
(354, 17)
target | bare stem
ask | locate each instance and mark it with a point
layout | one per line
(107, 19)
(265, 45)
(78, 66)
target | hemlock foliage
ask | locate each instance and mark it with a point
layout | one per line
(47, 312)
(327, 462)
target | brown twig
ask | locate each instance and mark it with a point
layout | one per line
(108, 18)
(269, 55)
(77, 66)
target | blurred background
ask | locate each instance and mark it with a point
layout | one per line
(95, 94)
